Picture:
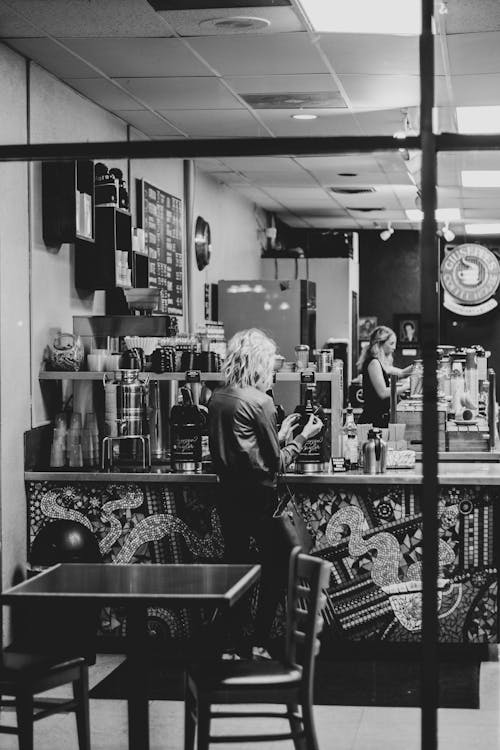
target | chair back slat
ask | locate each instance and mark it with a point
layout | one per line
(308, 576)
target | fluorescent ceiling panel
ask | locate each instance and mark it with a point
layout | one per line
(489, 178)
(442, 214)
(364, 16)
(483, 228)
(478, 119)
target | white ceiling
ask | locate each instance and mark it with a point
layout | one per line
(180, 74)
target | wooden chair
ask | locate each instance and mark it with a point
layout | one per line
(288, 682)
(25, 675)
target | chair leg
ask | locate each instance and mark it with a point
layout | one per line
(203, 725)
(296, 726)
(309, 729)
(189, 720)
(81, 695)
(24, 711)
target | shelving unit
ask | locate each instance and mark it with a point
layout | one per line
(336, 412)
(68, 206)
(85, 375)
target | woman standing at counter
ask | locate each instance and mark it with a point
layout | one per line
(246, 453)
(376, 367)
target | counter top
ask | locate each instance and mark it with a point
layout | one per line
(448, 474)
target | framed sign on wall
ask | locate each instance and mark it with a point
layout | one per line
(160, 215)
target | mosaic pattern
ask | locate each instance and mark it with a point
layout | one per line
(372, 536)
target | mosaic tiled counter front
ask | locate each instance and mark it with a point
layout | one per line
(371, 534)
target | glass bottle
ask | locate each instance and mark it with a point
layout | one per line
(350, 439)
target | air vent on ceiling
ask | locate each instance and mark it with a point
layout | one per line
(364, 210)
(351, 190)
(236, 23)
(296, 100)
(212, 4)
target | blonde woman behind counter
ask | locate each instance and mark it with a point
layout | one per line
(376, 367)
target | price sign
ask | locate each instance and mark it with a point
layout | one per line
(193, 376)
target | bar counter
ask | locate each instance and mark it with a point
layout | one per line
(449, 473)
(368, 526)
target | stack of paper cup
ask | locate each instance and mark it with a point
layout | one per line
(58, 448)
(111, 409)
(90, 440)
(74, 440)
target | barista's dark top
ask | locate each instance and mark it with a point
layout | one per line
(376, 409)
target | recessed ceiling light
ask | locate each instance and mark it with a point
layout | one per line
(482, 228)
(364, 16)
(305, 117)
(442, 214)
(489, 178)
(478, 119)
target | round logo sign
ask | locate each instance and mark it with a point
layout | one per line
(470, 273)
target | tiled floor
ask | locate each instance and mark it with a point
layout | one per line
(339, 727)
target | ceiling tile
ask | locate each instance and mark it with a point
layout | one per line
(481, 213)
(371, 54)
(305, 196)
(382, 92)
(253, 55)
(103, 92)
(232, 123)
(194, 93)
(465, 16)
(474, 90)
(83, 18)
(148, 123)
(52, 57)
(138, 58)
(276, 84)
(474, 53)
(264, 165)
(13, 25)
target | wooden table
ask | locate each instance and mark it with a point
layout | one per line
(137, 587)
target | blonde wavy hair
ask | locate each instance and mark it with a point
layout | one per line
(249, 360)
(379, 336)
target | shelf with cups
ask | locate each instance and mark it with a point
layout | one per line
(87, 375)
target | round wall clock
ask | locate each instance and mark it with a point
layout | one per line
(202, 244)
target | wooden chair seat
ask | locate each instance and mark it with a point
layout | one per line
(22, 676)
(245, 675)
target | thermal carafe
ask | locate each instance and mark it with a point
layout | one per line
(374, 453)
(163, 396)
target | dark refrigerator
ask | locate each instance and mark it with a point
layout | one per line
(285, 310)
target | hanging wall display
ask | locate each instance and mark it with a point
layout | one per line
(160, 215)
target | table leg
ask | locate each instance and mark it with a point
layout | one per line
(138, 705)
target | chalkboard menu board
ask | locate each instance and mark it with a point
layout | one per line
(161, 217)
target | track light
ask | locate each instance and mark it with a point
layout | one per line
(386, 233)
(448, 234)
